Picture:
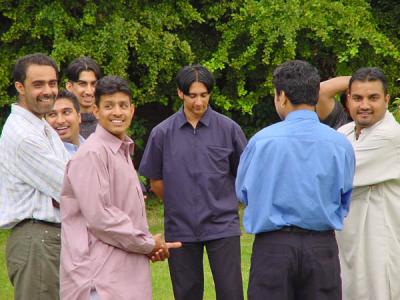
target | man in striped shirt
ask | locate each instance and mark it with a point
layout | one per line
(32, 163)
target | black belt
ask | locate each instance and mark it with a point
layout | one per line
(58, 225)
(296, 229)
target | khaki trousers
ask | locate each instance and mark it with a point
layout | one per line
(33, 260)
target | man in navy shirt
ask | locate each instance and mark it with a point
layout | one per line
(191, 159)
(295, 178)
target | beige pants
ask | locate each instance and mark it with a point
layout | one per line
(33, 260)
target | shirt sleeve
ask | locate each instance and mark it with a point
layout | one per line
(89, 180)
(377, 159)
(151, 165)
(350, 164)
(39, 166)
(246, 159)
(239, 143)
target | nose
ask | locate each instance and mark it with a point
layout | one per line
(117, 110)
(364, 104)
(198, 100)
(60, 119)
(90, 89)
(47, 90)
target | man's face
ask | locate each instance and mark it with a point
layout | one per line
(195, 104)
(367, 103)
(39, 90)
(115, 113)
(65, 120)
(84, 89)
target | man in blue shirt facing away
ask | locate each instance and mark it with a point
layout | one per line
(295, 179)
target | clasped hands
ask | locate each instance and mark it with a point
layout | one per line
(161, 248)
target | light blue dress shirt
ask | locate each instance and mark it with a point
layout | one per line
(296, 172)
(72, 148)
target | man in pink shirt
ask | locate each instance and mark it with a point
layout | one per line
(106, 244)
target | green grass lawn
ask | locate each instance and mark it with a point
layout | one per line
(162, 289)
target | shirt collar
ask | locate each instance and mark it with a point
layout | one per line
(302, 114)
(27, 115)
(87, 117)
(113, 142)
(72, 148)
(205, 119)
(386, 117)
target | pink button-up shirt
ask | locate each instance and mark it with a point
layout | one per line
(104, 235)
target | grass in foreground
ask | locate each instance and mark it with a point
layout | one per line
(162, 288)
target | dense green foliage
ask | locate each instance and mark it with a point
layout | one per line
(240, 41)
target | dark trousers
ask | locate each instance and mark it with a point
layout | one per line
(186, 269)
(294, 266)
(33, 260)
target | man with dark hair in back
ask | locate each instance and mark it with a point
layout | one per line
(32, 163)
(65, 118)
(191, 159)
(370, 240)
(82, 74)
(295, 179)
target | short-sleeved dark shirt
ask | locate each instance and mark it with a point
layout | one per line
(338, 117)
(198, 167)
(88, 124)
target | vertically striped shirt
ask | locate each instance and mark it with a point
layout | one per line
(32, 163)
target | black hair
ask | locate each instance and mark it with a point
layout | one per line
(110, 85)
(299, 80)
(80, 64)
(64, 94)
(22, 64)
(194, 73)
(369, 74)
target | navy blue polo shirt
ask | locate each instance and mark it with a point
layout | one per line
(198, 167)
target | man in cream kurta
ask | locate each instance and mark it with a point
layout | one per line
(370, 240)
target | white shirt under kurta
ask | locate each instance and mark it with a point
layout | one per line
(369, 243)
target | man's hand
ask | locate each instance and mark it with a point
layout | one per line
(160, 251)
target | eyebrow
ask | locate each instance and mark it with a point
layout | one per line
(86, 81)
(43, 81)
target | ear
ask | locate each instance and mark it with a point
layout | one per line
(133, 110)
(387, 99)
(282, 99)
(180, 94)
(20, 88)
(79, 118)
(68, 86)
(286, 100)
(96, 111)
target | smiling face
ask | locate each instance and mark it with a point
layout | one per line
(39, 89)
(84, 89)
(367, 103)
(114, 113)
(65, 120)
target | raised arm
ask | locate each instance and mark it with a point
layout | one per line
(328, 90)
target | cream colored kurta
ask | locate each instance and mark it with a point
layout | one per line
(370, 240)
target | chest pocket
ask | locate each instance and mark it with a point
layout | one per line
(218, 159)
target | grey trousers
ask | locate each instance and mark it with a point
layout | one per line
(33, 260)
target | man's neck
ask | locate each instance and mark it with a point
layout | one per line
(192, 119)
(87, 109)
